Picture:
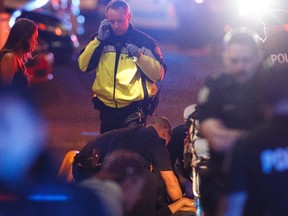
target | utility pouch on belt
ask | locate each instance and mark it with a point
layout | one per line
(93, 161)
(86, 166)
(136, 118)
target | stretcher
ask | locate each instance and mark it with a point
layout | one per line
(198, 148)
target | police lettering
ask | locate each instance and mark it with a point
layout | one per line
(276, 160)
(281, 58)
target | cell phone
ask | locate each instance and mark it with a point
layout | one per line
(107, 27)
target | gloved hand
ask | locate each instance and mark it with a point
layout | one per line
(104, 30)
(187, 186)
(134, 50)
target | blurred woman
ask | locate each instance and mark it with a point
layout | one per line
(21, 41)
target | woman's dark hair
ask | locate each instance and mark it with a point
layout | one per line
(19, 36)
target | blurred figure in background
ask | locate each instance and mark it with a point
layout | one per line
(228, 106)
(23, 134)
(119, 182)
(21, 41)
(275, 43)
(28, 184)
(257, 167)
(127, 63)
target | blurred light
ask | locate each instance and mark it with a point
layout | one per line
(81, 19)
(41, 197)
(199, 1)
(75, 7)
(19, 144)
(58, 31)
(35, 4)
(243, 11)
(76, 3)
(41, 26)
(75, 11)
(50, 76)
(252, 7)
(80, 31)
(14, 16)
(49, 58)
(55, 4)
(75, 40)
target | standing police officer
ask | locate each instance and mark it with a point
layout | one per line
(228, 106)
(256, 169)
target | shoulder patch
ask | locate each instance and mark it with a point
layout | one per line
(158, 51)
(203, 95)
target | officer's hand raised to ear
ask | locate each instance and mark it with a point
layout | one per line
(104, 30)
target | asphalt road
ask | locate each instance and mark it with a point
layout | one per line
(65, 101)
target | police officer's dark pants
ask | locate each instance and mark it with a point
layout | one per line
(112, 118)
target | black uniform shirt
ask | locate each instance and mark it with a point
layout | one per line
(235, 104)
(142, 140)
(259, 166)
(276, 49)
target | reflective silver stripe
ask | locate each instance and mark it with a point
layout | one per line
(124, 50)
(109, 48)
(147, 52)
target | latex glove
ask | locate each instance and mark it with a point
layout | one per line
(134, 50)
(104, 30)
(187, 185)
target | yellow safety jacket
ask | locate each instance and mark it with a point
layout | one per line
(119, 80)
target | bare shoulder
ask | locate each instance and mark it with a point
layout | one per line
(9, 57)
(8, 65)
(9, 61)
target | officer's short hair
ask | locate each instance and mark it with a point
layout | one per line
(160, 120)
(242, 35)
(115, 4)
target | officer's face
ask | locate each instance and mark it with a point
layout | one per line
(119, 20)
(241, 60)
